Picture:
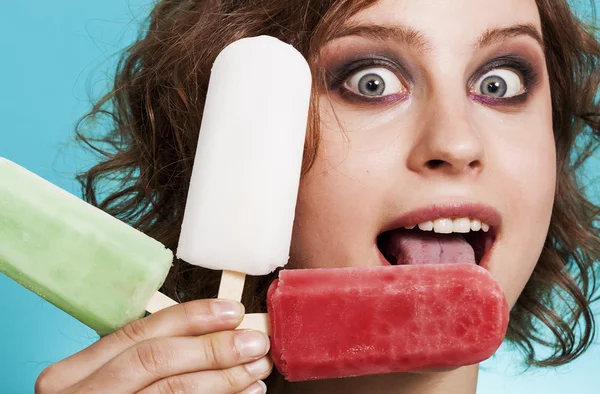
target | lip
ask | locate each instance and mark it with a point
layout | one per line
(485, 213)
(482, 212)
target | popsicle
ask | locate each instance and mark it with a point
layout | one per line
(242, 196)
(86, 262)
(331, 323)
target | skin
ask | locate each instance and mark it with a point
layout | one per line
(374, 165)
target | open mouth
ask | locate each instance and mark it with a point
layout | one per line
(424, 244)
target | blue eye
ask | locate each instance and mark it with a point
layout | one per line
(374, 82)
(500, 83)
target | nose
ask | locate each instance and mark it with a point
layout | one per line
(446, 141)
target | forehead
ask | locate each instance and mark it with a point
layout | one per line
(450, 23)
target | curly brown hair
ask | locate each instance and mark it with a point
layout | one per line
(155, 110)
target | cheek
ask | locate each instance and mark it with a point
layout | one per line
(527, 182)
(531, 169)
(331, 215)
(341, 198)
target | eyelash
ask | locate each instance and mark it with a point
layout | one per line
(529, 76)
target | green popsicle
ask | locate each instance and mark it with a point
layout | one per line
(91, 265)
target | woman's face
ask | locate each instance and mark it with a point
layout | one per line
(436, 110)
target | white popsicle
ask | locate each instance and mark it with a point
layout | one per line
(240, 207)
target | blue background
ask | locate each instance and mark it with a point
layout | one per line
(55, 55)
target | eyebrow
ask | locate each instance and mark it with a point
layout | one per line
(496, 35)
(417, 40)
(406, 35)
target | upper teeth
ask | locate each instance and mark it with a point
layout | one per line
(447, 226)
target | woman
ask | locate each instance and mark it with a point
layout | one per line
(436, 110)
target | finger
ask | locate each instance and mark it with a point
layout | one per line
(156, 359)
(258, 387)
(242, 378)
(188, 319)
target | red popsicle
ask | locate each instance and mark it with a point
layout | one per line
(329, 323)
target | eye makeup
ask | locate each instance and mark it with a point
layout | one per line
(342, 68)
(526, 70)
(339, 73)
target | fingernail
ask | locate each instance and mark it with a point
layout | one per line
(227, 310)
(258, 387)
(259, 367)
(251, 343)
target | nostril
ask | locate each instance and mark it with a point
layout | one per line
(436, 164)
(433, 164)
(475, 164)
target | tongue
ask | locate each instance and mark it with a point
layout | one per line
(429, 248)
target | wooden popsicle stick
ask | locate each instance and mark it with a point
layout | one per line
(252, 321)
(256, 321)
(231, 288)
(232, 285)
(159, 301)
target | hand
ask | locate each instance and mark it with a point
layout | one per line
(188, 348)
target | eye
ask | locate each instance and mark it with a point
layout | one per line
(500, 83)
(374, 82)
